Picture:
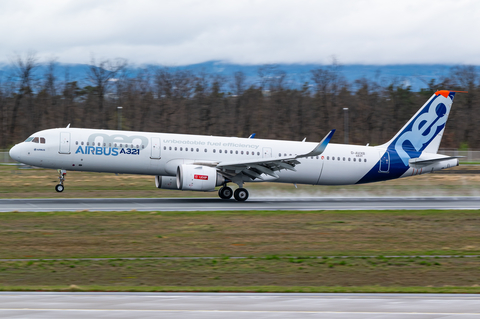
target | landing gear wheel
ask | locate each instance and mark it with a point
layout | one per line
(225, 192)
(61, 176)
(241, 194)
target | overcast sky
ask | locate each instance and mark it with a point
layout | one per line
(179, 32)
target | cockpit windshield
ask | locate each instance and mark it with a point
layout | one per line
(35, 139)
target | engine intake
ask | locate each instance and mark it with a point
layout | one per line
(198, 178)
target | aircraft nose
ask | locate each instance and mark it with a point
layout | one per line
(15, 153)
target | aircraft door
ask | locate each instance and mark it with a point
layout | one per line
(384, 162)
(64, 143)
(155, 148)
(267, 152)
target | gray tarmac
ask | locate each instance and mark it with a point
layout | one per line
(236, 305)
(214, 204)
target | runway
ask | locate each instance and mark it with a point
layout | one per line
(236, 305)
(213, 204)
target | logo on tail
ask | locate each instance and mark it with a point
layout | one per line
(423, 128)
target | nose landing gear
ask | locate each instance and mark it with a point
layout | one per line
(61, 176)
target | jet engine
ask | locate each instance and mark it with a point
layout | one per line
(166, 182)
(198, 178)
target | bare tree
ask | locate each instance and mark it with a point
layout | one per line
(100, 76)
(23, 69)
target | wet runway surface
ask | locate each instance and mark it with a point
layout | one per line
(213, 204)
(236, 305)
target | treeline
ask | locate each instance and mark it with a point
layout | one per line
(168, 100)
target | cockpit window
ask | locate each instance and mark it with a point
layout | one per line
(29, 139)
(35, 140)
(42, 140)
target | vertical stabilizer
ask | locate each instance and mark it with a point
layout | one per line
(425, 129)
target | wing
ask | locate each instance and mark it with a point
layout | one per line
(268, 166)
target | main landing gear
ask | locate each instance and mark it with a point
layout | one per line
(61, 176)
(240, 194)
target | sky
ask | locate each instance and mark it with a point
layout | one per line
(182, 32)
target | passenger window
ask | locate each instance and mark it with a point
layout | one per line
(175, 148)
(170, 148)
(164, 148)
(181, 148)
(143, 146)
(138, 146)
(354, 159)
(76, 143)
(115, 145)
(365, 160)
(344, 159)
(226, 151)
(99, 144)
(317, 156)
(248, 153)
(338, 158)
(88, 143)
(81, 143)
(192, 149)
(205, 150)
(236, 152)
(231, 152)
(214, 150)
(220, 151)
(198, 150)
(241, 152)
(328, 158)
(109, 144)
(349, 159)
(120, 144)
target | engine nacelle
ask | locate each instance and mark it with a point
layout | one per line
(198, 178)
(166, 182)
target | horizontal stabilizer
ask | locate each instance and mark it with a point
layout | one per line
(418, 162)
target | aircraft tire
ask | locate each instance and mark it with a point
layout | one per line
(241, 194)
(225, 192)
(59, 188)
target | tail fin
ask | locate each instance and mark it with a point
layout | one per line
(424, 131)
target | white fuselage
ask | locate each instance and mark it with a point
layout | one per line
(160, 154)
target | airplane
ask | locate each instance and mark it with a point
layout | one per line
(201, 163)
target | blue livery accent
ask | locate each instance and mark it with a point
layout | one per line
(412, 140)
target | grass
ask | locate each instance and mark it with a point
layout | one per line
(280, 274)
(273, 242)
(246, 233)
(39, 183)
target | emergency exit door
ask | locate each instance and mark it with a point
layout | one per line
(155, 148)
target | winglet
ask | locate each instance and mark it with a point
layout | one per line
(320, 147)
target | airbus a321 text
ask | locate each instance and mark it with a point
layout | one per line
(201, 163)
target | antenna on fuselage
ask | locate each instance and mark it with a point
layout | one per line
(68, 126)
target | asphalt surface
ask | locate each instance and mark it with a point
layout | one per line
(236, 305)
(213, 204)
